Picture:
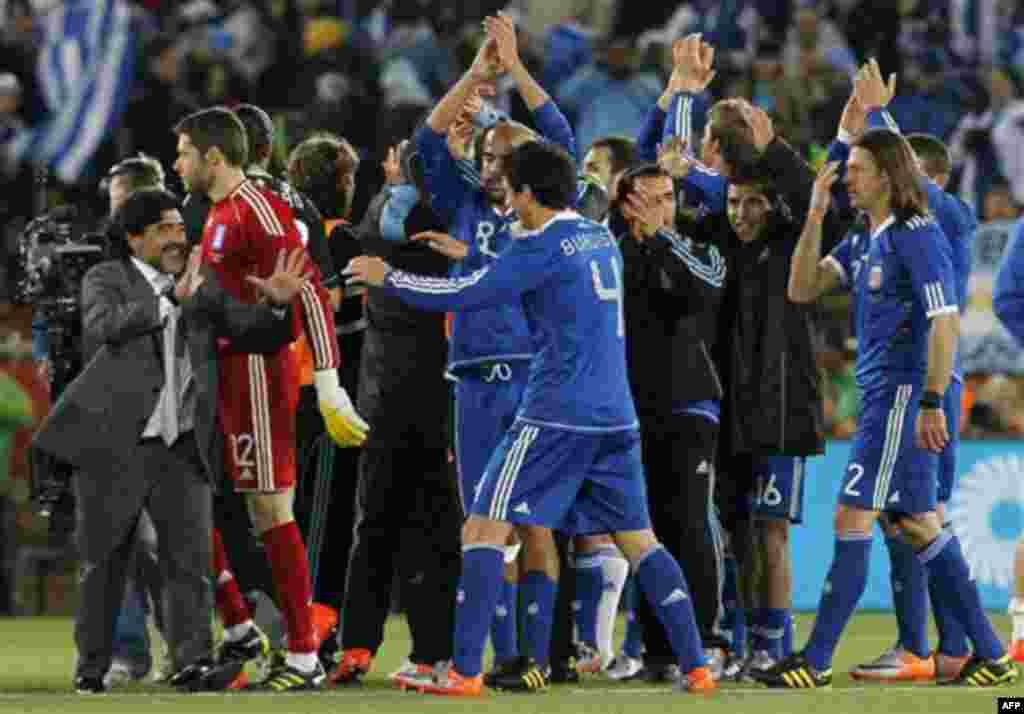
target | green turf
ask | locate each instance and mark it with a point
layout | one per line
(37, 657)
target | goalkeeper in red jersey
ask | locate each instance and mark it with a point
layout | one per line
(246, 228)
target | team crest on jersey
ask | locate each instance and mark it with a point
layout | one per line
(875, 277)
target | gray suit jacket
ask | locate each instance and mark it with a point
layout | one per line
(100, 417)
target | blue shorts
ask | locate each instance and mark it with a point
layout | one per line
(486, 401)
(887, 470)
(947, 459)
(779, 488)
(571, 481)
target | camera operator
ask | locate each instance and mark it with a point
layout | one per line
(141, 424)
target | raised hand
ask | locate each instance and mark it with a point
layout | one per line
(460, 136)
(443, 244)
(672, 158)
(290, 275)
(693, 61)
(821, 196)
(502, 30)
(487, 64)
(872, 91)
(854, 117)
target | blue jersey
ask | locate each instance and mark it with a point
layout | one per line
(901, 276)
(499, 332)
(703, 188)
(1008, 294)
(956, 219)
(567, 276)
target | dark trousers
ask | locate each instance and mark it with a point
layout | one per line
(169, 483)
(407, 522)
(679, 456)
(324, 501)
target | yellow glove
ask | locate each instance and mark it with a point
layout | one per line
(344, 425)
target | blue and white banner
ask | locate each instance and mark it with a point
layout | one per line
(987, 509)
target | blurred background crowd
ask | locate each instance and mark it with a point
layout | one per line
(368, 71)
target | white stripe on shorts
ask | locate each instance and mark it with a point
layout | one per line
(259, 403)
(891, 449)
(509, 471)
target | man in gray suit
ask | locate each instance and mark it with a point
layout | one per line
(140, 424)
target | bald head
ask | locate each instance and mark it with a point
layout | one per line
(497, 143)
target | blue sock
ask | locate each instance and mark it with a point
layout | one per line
(952, 638)
(787, 635)
(844, 585)
(756, 634)
(946, 565)
(539, 593)
(734, 617)
(662, 582)
(909, 595)
(505, 625)
(589, 586)
(773, 630)
(632, 645)
(482, 567)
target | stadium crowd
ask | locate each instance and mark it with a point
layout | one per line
(296, 192)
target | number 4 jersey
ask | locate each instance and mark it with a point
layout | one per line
(243, 236)
(568, 274)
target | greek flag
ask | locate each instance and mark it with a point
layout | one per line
(86, 70)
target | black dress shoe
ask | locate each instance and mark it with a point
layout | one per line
(205, 675)
(89, 685)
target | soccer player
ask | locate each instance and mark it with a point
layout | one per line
(1008, 303)
(245, 229)
(490, 349)
(910, 658)
(571, 460)
(900, 273)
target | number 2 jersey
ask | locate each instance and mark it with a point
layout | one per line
(568, 276)
(243, 236)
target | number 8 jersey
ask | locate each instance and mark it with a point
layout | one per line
(568, 275)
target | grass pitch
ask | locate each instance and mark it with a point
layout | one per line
(37, 657)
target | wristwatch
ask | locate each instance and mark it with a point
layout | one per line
(931, 400)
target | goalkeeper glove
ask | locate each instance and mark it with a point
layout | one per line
(343, 424)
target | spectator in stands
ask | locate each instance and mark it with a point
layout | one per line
(812, 39)
(609, 96)
(1000, 204)
(1008, 138)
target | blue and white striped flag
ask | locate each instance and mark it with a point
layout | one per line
(86, 70)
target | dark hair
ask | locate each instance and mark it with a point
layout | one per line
(547, 169)
(734, 136)
(140, 171)
(932, 153)
(259, 129)
(756, 178)
(218, 127)
(142, 209)
(621, 151)
(895, 159)
(315, 167)
(617, 222)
